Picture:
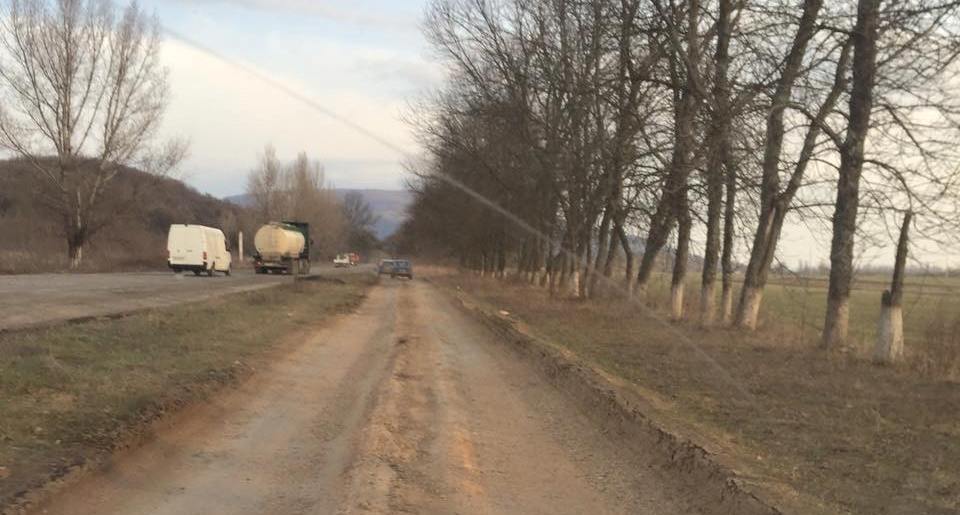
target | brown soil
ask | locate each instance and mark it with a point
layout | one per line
(404, 406)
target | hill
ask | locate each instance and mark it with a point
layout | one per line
(138, 212)
(390, 206)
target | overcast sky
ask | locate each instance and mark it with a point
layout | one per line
(363, 59)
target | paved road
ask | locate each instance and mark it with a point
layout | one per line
(39, 299)
(407, 406)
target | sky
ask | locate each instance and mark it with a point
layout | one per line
(365, 60)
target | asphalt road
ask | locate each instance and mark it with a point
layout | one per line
(42, 299)
(406, 406)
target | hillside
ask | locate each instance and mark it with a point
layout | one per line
(138, 212)
(390, 206)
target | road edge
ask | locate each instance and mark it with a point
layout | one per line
(715, 488)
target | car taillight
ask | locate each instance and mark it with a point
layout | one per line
(204, 255)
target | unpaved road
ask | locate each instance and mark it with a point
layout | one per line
(41, 299)
(407, 405)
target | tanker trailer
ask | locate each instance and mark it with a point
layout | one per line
(282, 247)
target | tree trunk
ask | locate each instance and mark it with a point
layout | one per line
(611, 252)
(574, 291)
(719, 143)
(628, 253)
(524, 260)
(761, 257)
(502, 259)
(673, 201)
(564, 271)
(837, 318)
(75, 254)
(661, 223)
(588, 266)
(545, 252)
(772, 211)
(680, 263)
(889, 348)
(76, 231)
(603, 242)
(729, 240)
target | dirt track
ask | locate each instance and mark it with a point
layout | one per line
(405, 406)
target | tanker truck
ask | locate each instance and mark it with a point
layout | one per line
(282, 247)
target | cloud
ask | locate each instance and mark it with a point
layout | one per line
(332, 11)
(228, 115)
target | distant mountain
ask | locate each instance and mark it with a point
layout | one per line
(390, 206)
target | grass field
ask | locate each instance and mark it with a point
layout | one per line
(793, 310)
(818, 432)
(69, 394)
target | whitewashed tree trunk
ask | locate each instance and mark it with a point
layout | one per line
(726, 304)
(750, 306)
(676, 302)
(575, 278)
(889, 348)
(837, 322)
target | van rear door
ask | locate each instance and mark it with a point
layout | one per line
(185, 245)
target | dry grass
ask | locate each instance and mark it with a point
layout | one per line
(69, 394)
(861, 438)
(794, 307)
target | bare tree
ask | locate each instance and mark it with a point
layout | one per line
(774, 205)
(851, 167)
(359, 220)
(307, 197)
(719, 141)
(83, 94)
(264, 186)
(903, 73)
(296, 191)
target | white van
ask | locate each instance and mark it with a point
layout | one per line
(197, 249)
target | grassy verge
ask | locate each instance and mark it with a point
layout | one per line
(69, 394)
(807, 429)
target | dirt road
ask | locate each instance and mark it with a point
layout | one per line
(407, 405)
(39, 299)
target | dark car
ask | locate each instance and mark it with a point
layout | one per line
(401, 268)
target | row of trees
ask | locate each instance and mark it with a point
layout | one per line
(299, 191)
(567, 126)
